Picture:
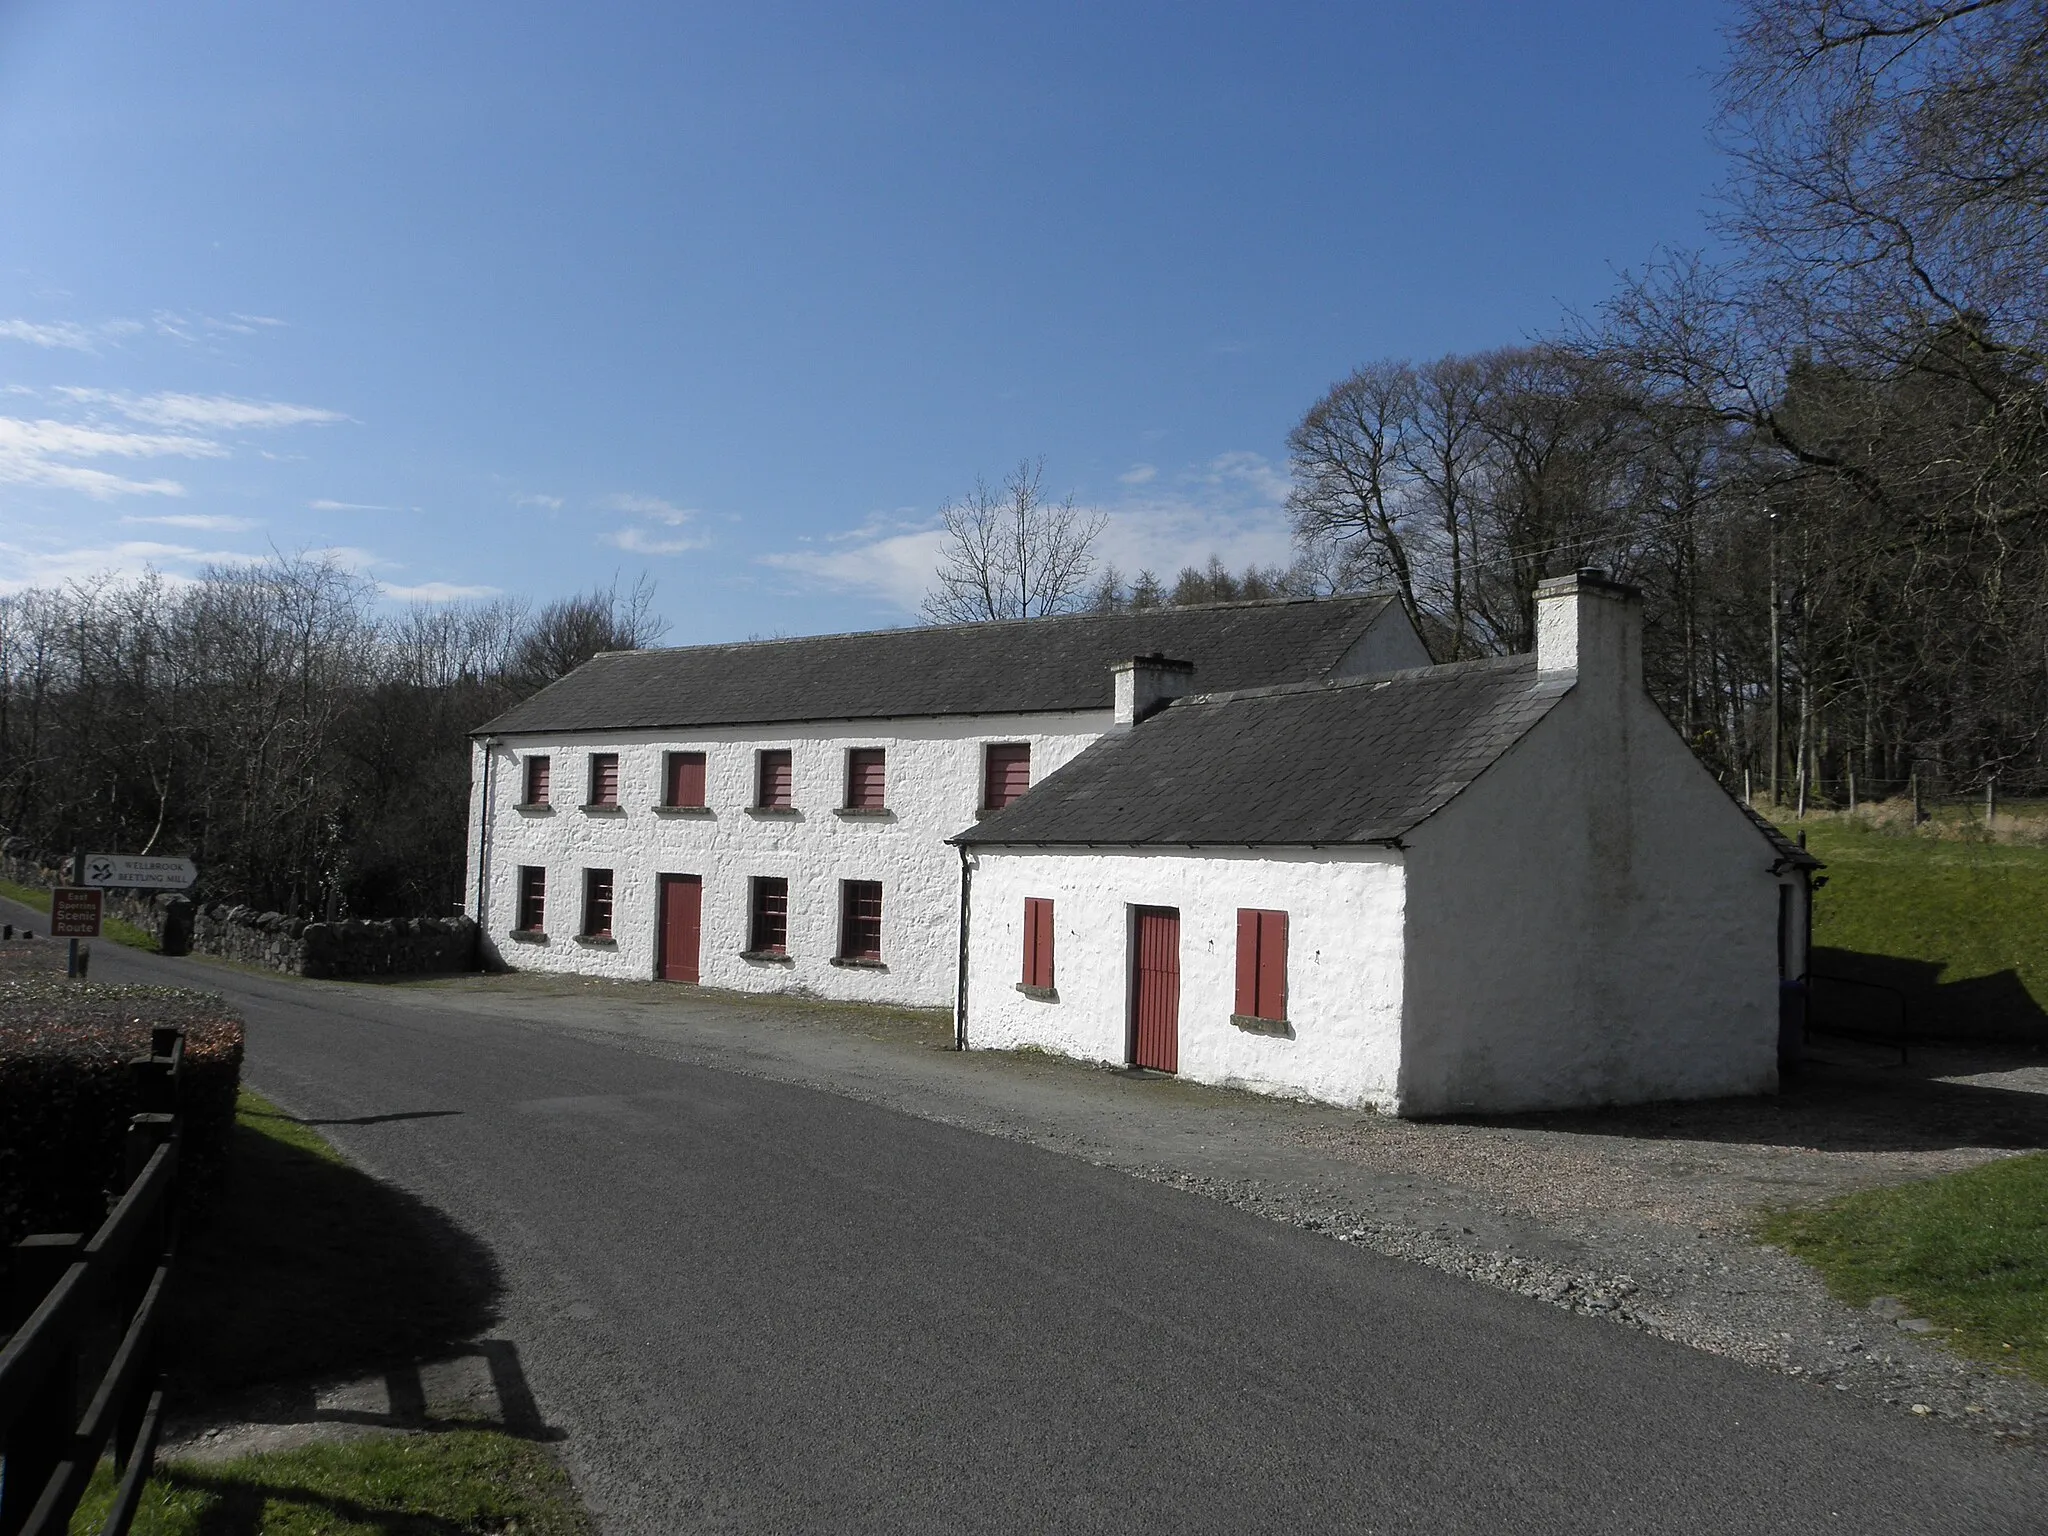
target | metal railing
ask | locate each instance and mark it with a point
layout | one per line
(64, 1290)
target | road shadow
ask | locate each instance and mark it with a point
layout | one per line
(300, 1267)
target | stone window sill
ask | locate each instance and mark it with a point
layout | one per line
(682, 810)
(863, 813)
(603, 808)
(849, 963)
(597, 940)
(768, 956)
(1040, 994)
(535, 808)
(1255, 1026)
(786, 811)
(527, 936)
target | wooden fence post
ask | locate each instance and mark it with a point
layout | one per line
(40, 1438)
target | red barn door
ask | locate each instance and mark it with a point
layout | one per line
(682, 916)
(1155, 991)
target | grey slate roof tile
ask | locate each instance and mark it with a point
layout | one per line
(1346, 762)
(1020, 667)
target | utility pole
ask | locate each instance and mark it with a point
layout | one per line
(77, 878)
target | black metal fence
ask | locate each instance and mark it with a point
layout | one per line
(69, 1294)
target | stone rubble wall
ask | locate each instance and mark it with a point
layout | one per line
(302, 946)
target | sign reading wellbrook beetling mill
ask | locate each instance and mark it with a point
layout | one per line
(133, 872)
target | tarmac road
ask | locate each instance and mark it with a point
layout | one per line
(757, 1307)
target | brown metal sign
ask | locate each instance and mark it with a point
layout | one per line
(74, 913)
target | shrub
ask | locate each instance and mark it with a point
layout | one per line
(66, 1093)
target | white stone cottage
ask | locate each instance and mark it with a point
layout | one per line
(773, 816)
(1491, 886)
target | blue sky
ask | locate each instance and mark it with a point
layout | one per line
(512, 298)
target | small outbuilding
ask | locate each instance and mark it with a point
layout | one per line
(1488, 886)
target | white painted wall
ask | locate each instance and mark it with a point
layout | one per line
(1344, 973)
(1389, 644)
(1592, 922)
(934, 788)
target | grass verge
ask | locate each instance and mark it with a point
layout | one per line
(1968, 1251)
(466, 1481)
(110, 928)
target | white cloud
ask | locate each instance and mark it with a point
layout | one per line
(357, 561)
(21, 566)
(46, 452)
(640, 542)
(60, 333)
(199, 522)
(215, 412)
(650, 506)
(436, 592)
(545, 503)
(324, 505)
(1138, 474)
(1232, 506)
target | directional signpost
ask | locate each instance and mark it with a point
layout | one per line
(133, 872)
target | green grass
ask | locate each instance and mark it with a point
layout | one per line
(110, 928)
(1966, 920)
(454, 1484)
(1968, 1251)
(303, 1266)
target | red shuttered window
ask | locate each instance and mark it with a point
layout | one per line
(684, 784)
(533, 897)
(604, 778)
(866, 778)
(1262, 964)
(1007, 775)
(772, 790)
(860, 920)
(768, 929)
(1038, 942)
(597, 903)
(537, 769)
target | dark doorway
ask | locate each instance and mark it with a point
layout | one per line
(1155, 990)
(682, 918)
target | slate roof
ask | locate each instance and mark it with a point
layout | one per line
(1019, 667)
(1346, 762)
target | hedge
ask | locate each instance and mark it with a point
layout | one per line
(66, 1091)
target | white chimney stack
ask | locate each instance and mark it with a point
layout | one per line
(1592, 627)
(1147, 684)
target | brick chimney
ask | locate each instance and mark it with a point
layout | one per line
(1591, 626)
(1147, 684)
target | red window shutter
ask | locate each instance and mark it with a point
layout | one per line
(776, 776)
(1272, 965)
(1008, 774)
(686, 778)
(604, 778)
(866, 778)
(536, 781)
(1247, 963)
(1037, 942)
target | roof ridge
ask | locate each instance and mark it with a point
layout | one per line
(986, 624)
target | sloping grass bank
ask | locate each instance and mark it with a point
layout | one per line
(1960, 926)
(111, 929)
(1968, 1251)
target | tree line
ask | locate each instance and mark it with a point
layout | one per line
(271, 721)
(1824, 458)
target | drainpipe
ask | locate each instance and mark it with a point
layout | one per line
(960, 991)
(483, 844)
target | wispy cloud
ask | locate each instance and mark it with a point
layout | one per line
(651, 506)
(68, 335)
(22, 566)
(197, 522)
(324, 505)
(48, 453)
(435, 592)
(545, 503)
(1232, 506)
(219, 413)
(640, 542)
(1138, 474)
(350, 558)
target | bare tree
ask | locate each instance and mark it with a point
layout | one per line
(571, 630)
(1011, 554)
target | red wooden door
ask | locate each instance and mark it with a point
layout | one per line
(682, 916)
(1155, 991)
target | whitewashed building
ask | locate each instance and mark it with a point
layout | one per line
(1491, 886)
(773, 816)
